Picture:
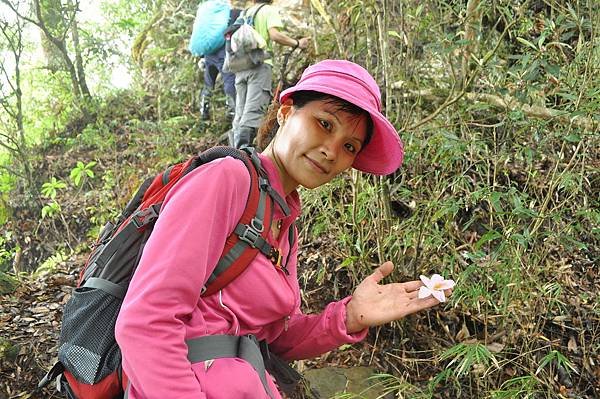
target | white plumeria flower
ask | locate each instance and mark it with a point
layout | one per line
(435, 286)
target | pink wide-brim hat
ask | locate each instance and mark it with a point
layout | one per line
(351, 82)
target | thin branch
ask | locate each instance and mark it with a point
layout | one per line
(6, 74)
(8, 108)
(508, 103)
(9, 139)
(17, 13)
(12, 171)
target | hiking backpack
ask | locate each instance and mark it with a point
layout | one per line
(245, 48)
(89, 359)
(212, 18)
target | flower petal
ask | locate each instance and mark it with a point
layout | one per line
(439, 295)
(446, 284)
(436, 278)
(425, 280)
(424, 292)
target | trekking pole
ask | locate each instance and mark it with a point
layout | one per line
(282, 72)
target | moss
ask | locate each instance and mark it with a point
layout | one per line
(8, 283)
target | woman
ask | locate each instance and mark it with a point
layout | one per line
(330, 121)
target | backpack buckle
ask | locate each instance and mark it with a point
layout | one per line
(145, 216)
(251, 233)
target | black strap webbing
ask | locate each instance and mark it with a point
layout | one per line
(291, 237)
(116, 290)
(166, 175)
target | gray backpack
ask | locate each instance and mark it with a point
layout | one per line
(244, 47)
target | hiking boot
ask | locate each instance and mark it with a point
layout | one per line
(243, 137)
(205, 107)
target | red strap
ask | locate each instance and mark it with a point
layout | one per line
(240, 264)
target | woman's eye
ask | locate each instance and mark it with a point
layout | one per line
(325, 124)
(351, 148)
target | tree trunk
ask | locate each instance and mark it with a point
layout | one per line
(13, 138)
(52, 14)
(472, 26)
(81, 80)
(60, 45)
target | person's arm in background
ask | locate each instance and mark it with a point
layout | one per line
(285, 40)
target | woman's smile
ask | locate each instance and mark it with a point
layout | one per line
(316, 165)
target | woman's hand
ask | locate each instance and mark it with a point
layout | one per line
(373, 304)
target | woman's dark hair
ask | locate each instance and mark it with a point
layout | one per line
(269, 126)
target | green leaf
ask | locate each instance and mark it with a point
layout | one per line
(495, 201)
(395, 34)
(573, 138)
(321, 9)
(487, 237)
(345, 263)
(50, 210)
(527, 43)
(552, 69)
(50, 189)
(76, 176)
(541, 40)
(568, 96)
(419, 10)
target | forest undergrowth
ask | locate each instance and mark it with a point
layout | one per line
(497, 105)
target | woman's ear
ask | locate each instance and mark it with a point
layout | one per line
(285, 110)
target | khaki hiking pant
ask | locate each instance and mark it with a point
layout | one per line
(253, 94)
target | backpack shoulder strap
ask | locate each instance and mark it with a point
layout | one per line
(250, 19)
(234, 13)
(250, 235)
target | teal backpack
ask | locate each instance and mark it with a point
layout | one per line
(212, 18)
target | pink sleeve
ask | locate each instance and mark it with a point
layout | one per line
(196, 218)
(312, 335)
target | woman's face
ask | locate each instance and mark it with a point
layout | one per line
(315, 143)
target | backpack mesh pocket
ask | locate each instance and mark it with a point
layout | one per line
(87, 347)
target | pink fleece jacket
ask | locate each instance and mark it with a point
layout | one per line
(163, 306)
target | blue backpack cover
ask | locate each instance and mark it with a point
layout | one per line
(212, 18)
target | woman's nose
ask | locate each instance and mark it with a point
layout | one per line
(330, 149)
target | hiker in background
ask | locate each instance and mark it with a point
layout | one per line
(329, 122)
(207, 41)
(253, 86)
